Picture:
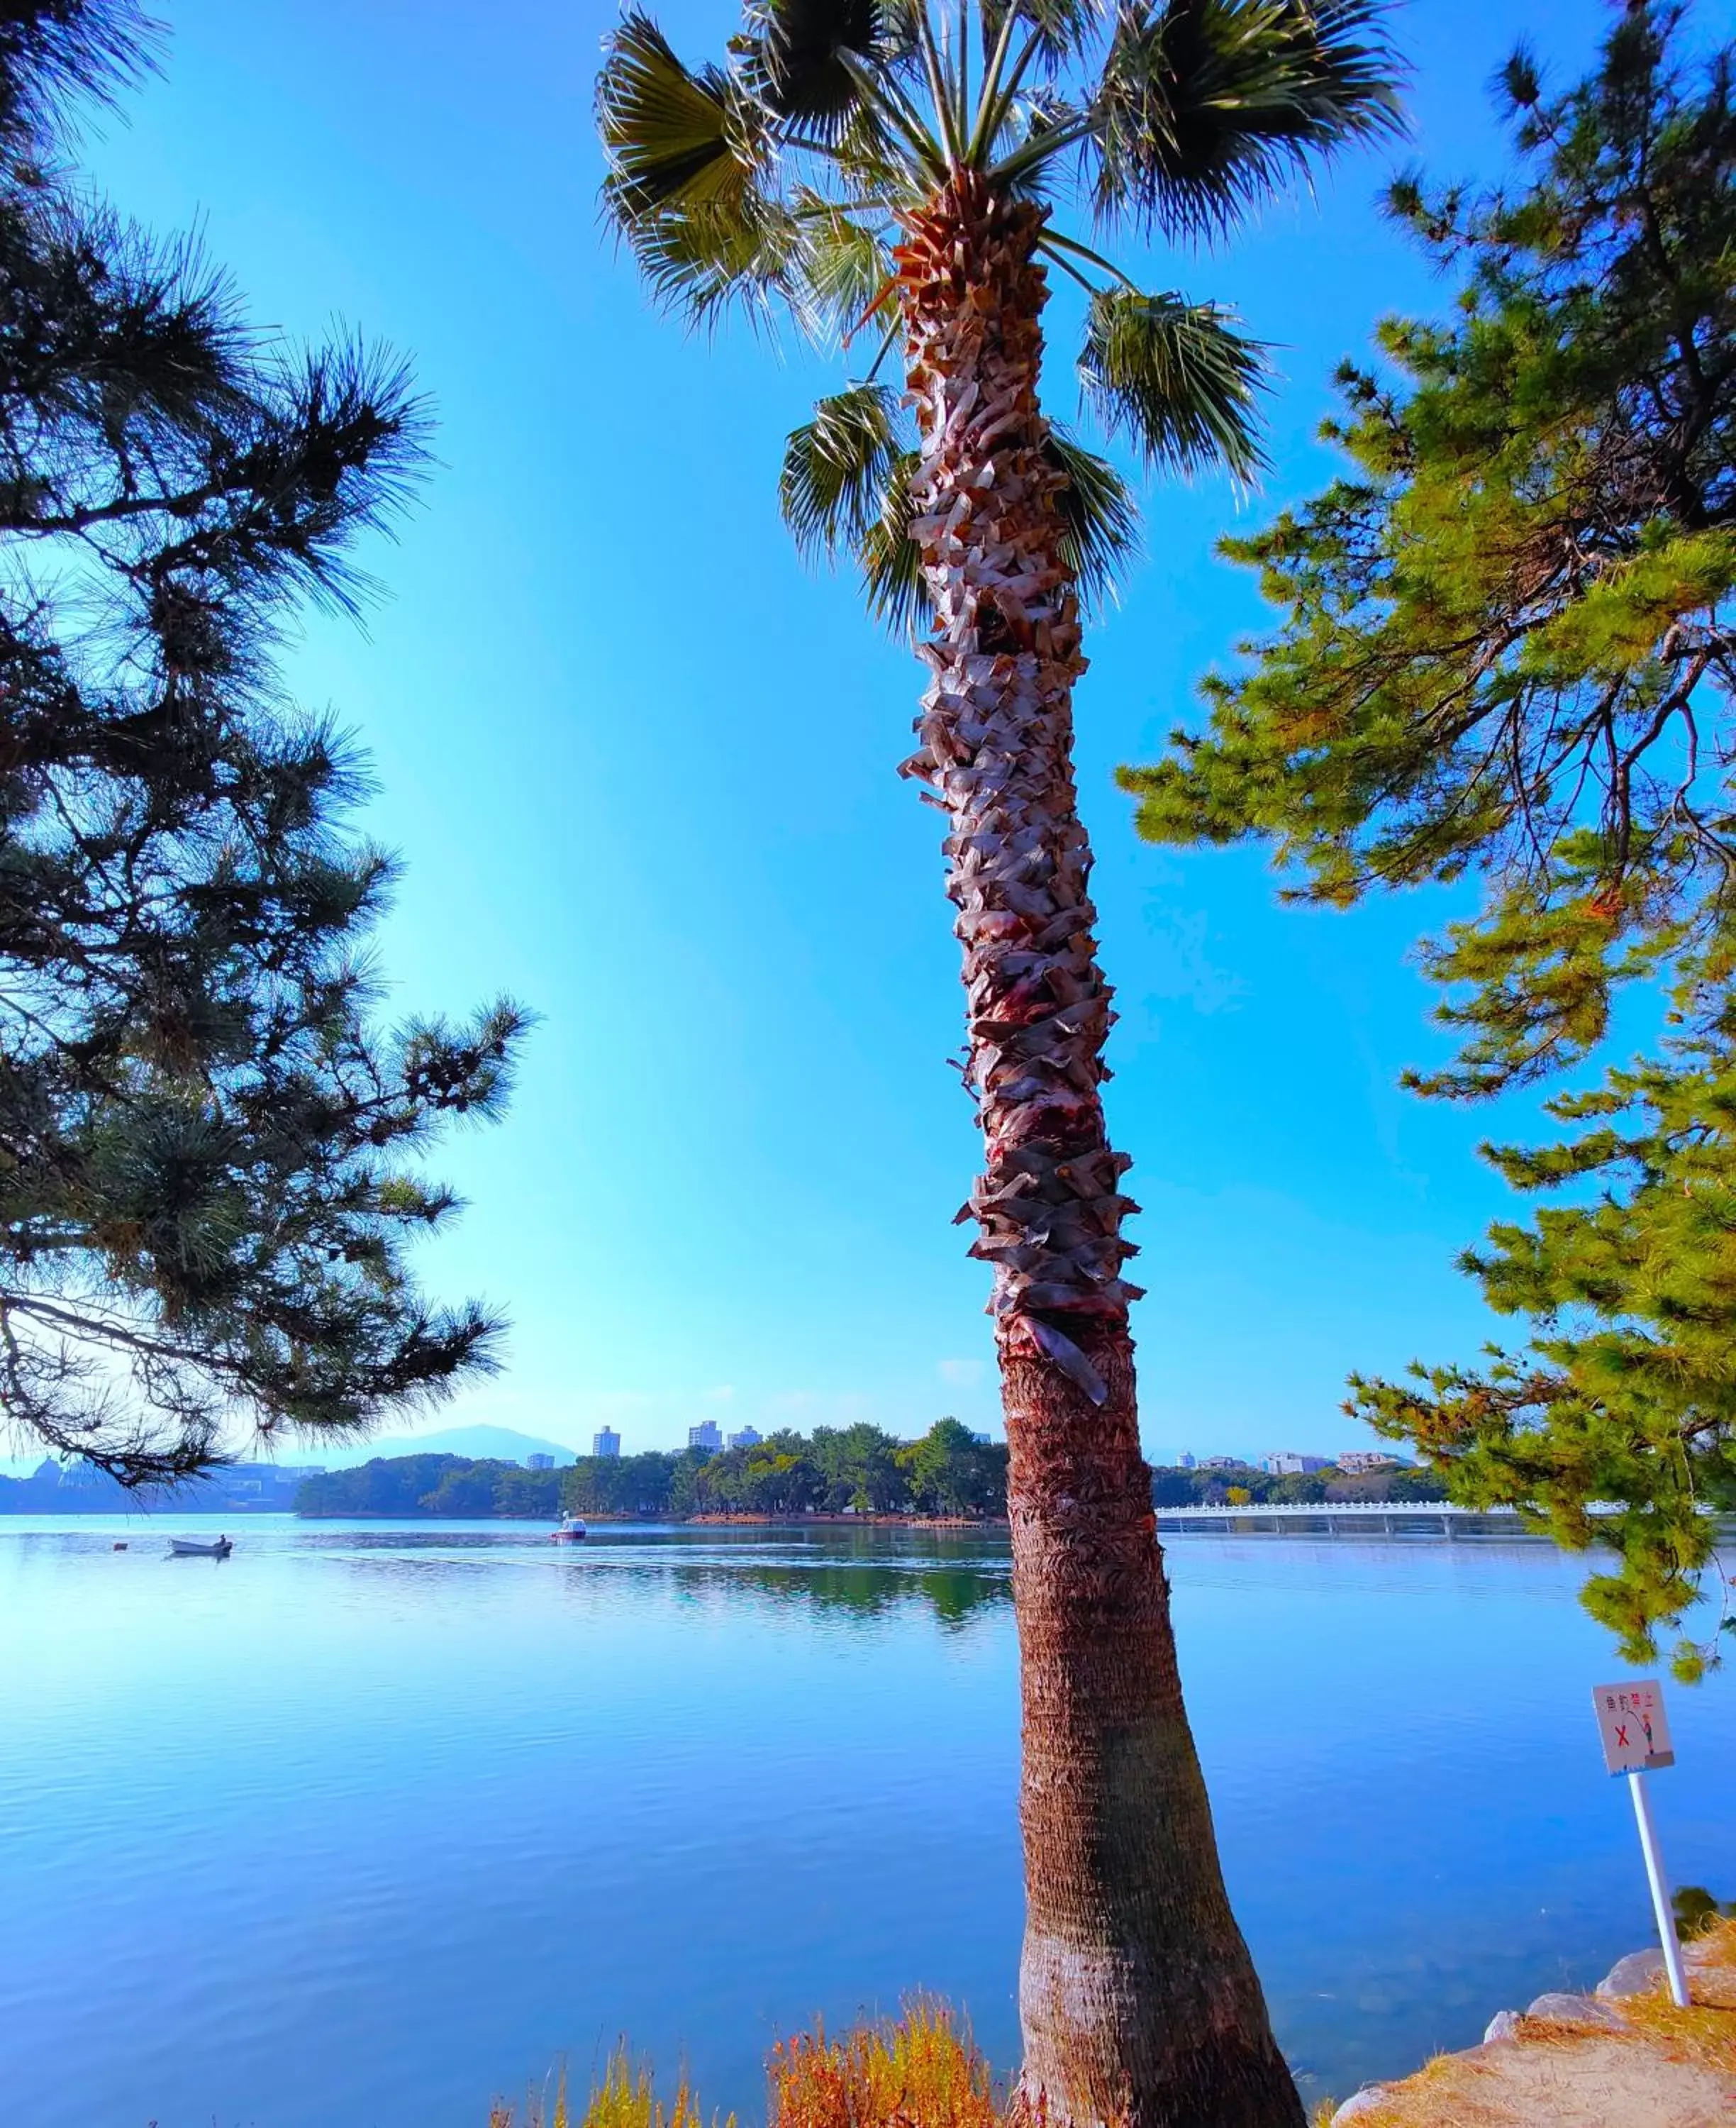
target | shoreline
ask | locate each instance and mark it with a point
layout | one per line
(744, 1520)
(1622, 2056)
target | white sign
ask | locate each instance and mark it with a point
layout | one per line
(1632, 1723)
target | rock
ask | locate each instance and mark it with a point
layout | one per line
(1637, 1974)
(1504, 2025)
(1578, 2010)
(1362, 2101)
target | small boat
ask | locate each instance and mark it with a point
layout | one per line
(120, 1547)
(570, 1532)
(188, 1547)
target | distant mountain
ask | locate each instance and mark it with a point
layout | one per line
(500, 1443)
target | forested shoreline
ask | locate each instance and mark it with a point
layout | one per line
(949, 1474)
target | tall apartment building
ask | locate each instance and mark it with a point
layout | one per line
(608, 1442)
(538, 1460)
(705, 1435)
(747, 1437)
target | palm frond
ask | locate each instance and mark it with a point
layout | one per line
(1176, 378)
(1040, 125)
(891, 561)
(1100, 520)
(1206, 107)
(845, 269)
(684, 152)
(1099, 535)
(794, 47)
(704, 263)
(1061, 27)
(846, 489)
(836, 469)
(666, 133)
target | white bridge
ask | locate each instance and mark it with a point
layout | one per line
(1399, 1518)
(1328, 1517)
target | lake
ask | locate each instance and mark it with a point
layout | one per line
(371, 1823)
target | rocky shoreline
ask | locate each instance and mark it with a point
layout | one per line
(1621, 2057)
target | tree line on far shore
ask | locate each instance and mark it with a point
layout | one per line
(1243, 1486)
(949, 1472)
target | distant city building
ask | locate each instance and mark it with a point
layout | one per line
(1220, 1463)
(1185, 1461)
(1367, 1459)
(749, 1436)
(705, 1435)
(1287, 1463)
(538, 1461)
(608, 1442)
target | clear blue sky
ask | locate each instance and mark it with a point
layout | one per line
(640, 764)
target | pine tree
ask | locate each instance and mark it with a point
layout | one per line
(881, 172)
(208, 1152)
(1508, 654)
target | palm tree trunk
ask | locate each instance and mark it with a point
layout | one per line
(1139, 2002)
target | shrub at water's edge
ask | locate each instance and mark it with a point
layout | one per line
(626, 2097)
(923, 2069)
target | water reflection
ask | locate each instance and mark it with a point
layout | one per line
(453, 1799)
(861, 1574)
(866, 1590)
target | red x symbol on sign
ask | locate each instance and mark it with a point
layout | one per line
(1621, 1738)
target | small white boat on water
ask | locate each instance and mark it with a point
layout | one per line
(570, 1532)
(191, 1547)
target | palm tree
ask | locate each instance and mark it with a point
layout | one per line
(883, 171)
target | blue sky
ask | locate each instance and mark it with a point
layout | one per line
(640, 764)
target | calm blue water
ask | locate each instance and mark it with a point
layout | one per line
(371, 1823)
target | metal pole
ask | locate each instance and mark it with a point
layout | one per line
(1660, 1891)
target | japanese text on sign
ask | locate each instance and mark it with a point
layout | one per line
(1632, 1723)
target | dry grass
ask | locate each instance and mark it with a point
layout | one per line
(920, 2071)
(626, 2098)
(1706, 2033)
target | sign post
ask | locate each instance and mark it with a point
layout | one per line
(1635, 1735)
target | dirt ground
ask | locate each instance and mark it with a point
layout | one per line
(1668, 2068)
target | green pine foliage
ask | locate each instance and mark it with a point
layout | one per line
(1506, 655)
(209, 1154)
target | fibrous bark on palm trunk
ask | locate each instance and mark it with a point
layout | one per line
(1126, 1902)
